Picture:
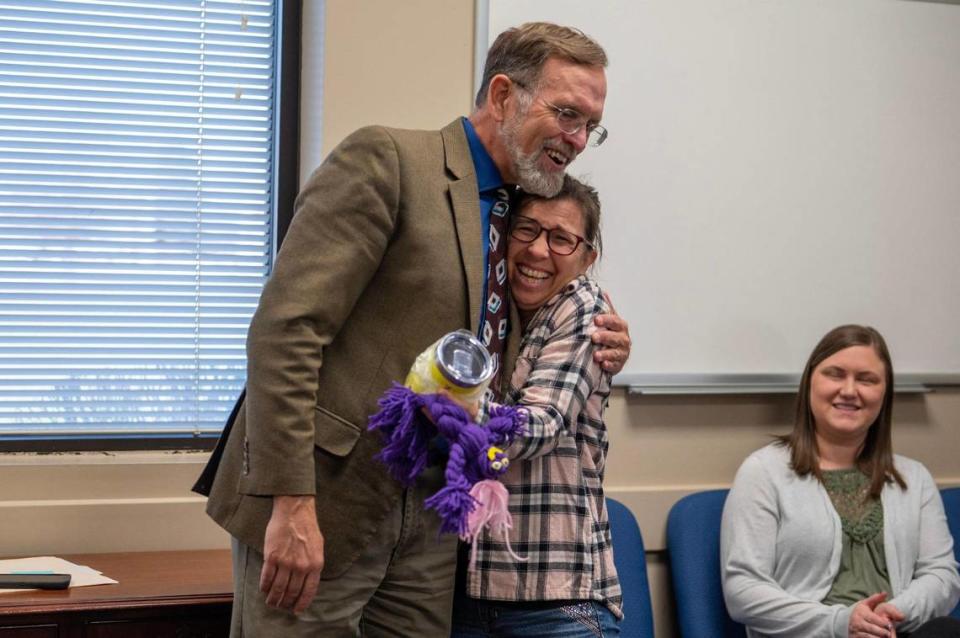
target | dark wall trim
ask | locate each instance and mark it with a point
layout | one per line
(288, 114)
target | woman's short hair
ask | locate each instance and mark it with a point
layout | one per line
(876, 456)
(581, 194)
(520, 53)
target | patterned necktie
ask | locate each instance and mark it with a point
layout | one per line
(496, 313)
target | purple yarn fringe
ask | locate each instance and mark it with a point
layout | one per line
(407, 434)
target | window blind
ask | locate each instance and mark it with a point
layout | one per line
(136, 143)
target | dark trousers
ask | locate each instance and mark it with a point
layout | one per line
(943, 627)
(400, 587)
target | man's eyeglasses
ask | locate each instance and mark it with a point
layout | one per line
(572, 121)
(559, 241)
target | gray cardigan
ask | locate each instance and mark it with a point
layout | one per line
(780, 546)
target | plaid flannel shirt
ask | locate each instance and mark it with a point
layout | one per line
(556, 472)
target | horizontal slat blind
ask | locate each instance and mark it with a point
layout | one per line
(135, 210)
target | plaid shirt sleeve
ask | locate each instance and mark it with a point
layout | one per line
(563, 373)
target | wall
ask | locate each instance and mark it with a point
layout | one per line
(415, 63)
(396, 63)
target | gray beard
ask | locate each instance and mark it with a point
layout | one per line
(530, 177)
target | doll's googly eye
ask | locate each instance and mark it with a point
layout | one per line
(496, 465)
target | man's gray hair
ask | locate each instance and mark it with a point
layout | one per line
(520, 53)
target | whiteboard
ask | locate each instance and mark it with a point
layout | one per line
(774, 168)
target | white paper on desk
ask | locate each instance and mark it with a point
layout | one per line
(81, 575)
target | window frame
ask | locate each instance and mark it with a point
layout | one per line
(285, 185)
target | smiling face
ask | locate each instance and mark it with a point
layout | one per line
(538, 150)
(536, 273)
(847, 390)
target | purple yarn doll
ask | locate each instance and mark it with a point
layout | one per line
(472, 497)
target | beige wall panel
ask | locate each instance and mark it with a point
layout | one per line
(118, 475)
(41, 528)
(100, 502)
(406, 64)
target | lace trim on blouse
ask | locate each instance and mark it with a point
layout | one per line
(860, 515)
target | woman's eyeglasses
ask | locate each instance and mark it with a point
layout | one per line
(559, 241)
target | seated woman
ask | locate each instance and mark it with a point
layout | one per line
(567, 585)
(826, 532)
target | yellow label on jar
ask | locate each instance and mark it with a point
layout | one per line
(425, 377)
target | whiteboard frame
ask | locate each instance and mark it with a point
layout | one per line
(714, 384)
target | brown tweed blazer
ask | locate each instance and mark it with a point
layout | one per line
(383, 257)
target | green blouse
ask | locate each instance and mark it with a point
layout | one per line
(863, 564)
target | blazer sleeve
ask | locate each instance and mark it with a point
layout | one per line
(343, 221)
(748, 549)
(935, 586)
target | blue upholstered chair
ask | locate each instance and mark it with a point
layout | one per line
(693, 549)
(631, 562)
(951, 504)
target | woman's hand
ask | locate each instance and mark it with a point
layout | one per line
(867, 622)
(891, 613)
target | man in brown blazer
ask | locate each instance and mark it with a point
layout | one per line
(384, 255)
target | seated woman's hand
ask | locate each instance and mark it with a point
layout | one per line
(891, 613)
(866, 622)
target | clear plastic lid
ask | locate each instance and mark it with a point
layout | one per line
(463, 360)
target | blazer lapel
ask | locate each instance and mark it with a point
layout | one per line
(465, 202)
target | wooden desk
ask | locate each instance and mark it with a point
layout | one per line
(175, 594)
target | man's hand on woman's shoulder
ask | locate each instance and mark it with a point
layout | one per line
(613, 335)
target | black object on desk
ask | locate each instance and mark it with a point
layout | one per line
(34, 581)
